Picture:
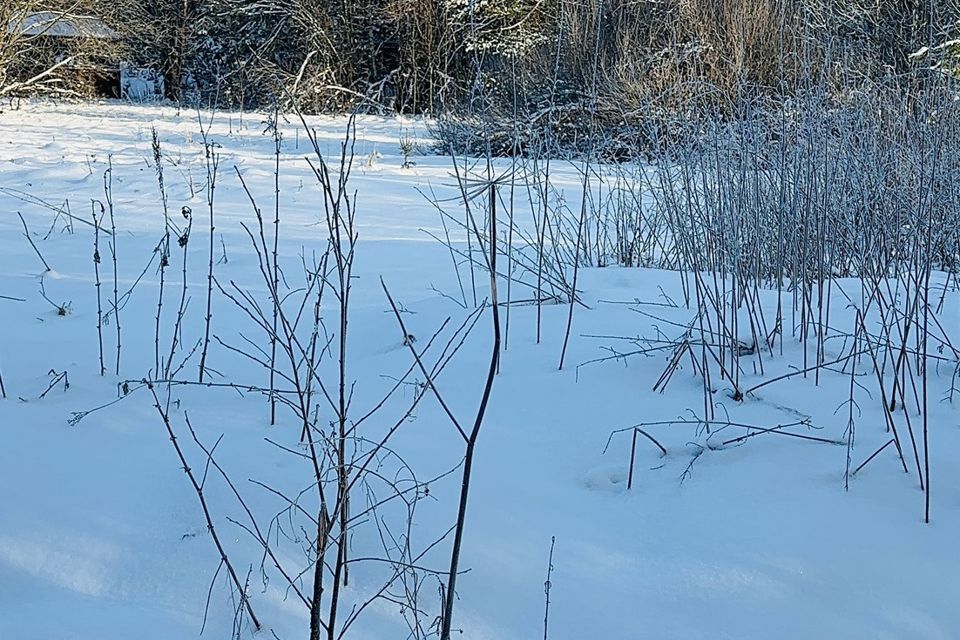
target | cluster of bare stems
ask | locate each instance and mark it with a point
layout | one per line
(847, 214)
(357, 489)
(543, 252)
(839, 210)
(843, 213)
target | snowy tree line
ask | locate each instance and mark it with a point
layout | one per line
(432, 56)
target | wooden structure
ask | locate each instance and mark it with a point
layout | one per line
(65, 54)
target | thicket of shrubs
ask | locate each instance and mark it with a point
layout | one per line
(626, 62)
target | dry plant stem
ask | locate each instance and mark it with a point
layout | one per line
(545, 212)
(164, 410)
(891, 423)
(258, 534)
(429, 381)
(97, 283)
(924, 364)
(57, 209)
(513, 182)
(803, 371)
(423, 369)
(277, 140)
(471, 441)
(176, 338)
(108, 195)
(851, 405)
(585, 186)
(26, 234)
(58, 377)
(339, 216)
(467, 223)
(213, 163)
(756, 431)
(450, 250)
(339, 212)
(547, 586)
(872, 456)
(164, 249)
(633, 452)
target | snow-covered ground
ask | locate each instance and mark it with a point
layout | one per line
(102, 537)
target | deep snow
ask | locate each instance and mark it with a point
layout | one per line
(101, 536)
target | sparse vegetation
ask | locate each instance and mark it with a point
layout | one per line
(733, 226)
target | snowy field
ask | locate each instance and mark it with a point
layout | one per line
(101, 533)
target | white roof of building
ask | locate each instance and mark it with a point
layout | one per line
(60, 25)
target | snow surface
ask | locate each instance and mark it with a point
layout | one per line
(101, 536)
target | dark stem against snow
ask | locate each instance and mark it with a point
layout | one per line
(163, 408)
(547, 586)
(212, 158)
(474, 434)
(108, 196)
